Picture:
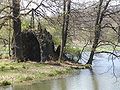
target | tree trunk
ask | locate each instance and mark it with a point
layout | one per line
(95, 43)
(118, 34)
(97, 32)
(99, 19)
(32, 23)
(90, 37)
(63, 33)
(67, 20)
(66, 16)
(17, 29)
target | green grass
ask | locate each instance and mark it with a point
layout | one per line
(15, 72)
(107, 48)
(27, 78)
(75, 49)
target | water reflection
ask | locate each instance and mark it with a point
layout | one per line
(83, 80)
(6, 88)
(94, 80)
(59, 84)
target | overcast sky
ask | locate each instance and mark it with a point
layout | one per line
(25, 2)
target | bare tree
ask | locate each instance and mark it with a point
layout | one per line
(66, 14)
(98, 24)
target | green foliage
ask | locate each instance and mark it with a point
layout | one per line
(5, 83)
(88, 66)
(26, 71)
(59, 72)
(2, 68)
(4, 33)
(55, 73)
(54, 30)
(51, 74)
(56, 40)
(40, 75)
(28, 78)
(24, 67)
(12, 68)
(72, 49)
(56, 35)
(6, 67)
(68, 70)
(25, 24)
(107, 48)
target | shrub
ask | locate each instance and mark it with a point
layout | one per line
(5, 83)
(2, 68)
(12, 68)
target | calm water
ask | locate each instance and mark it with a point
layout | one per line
(100, 77)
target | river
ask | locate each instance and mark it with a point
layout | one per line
(102, 76)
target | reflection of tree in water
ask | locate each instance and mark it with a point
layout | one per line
(94, 80)
(58, 84)
(99, 55)
(7, 88)
(43, 85)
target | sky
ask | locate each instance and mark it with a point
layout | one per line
(24, 3)
(32, 5)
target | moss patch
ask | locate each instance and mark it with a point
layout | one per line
(16, 72)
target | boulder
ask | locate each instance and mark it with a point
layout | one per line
(37, 45)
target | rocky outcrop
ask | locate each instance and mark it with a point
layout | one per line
(37, 45)
(46, 44)
(30, 46)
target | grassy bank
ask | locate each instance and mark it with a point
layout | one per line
(74, 49)
(24, 72)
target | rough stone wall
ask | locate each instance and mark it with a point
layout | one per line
(37, 45)
(30, 46)
(46, 44)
